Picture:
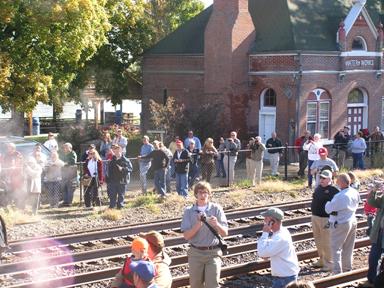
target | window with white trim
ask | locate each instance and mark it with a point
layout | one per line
(359, 44)
(318, 118)
(382, 113)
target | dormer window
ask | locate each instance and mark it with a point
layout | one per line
(359, 44)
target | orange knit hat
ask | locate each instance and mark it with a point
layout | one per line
(139, 244)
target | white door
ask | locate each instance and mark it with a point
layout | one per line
(267, 125)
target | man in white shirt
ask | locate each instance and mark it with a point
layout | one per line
(51, 143)
(276, 243)
(343, 223)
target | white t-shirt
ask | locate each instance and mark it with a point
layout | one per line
(52, 145)
(279, 248)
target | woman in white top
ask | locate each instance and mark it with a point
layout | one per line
(93, 167)
(33, 172)
(312, 146)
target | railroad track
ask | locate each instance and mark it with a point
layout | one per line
(177, 261)
(238, 220)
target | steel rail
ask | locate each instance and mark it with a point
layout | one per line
(250, 247)
(145, 227)
(341, 278)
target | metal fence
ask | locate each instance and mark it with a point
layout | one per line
(224, 171)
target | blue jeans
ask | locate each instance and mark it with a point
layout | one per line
(160, 181)
(144, 167)
(358, 161)
(310, 177)
(168, 179)
(220, 171)
(182, 184)
(116, 191)
(281, 282)
(193, 174)
(373, 259)
(68, 188)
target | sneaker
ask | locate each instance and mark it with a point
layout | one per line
(326, 269)
(317, 264)
(366, 284)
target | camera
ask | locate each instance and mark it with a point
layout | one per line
(203, 217)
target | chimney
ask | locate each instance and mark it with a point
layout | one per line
(228, 37)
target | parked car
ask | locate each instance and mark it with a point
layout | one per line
(24, 146)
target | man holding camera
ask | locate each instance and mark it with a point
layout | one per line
(232, 146)
(205, 248)
(257, 156)
(276, 243)
(342, 223)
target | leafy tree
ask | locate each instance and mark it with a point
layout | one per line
(44, 43)
(175, 119)
(136, 26)
(168, 15)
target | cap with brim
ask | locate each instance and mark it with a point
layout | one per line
(154, 238)
(115, 146)
(323, 151)
(145, 269)
(274, 213)
(326, 174)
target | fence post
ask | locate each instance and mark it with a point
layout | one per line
(81, 185)
(371, 154)
(286, 162)
(228, 169)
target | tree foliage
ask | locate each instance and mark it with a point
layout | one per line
(43, 43)
(46, 45)
(175, 119)
(136, 26)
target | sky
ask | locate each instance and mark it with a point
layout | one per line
(207, 2)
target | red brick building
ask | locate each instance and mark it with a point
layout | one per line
(284, 65)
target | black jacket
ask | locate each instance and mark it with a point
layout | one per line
(182, 167)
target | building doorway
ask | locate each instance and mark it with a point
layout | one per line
(357, 117)
(267, 115)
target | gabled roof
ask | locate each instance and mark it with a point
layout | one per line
(187, 39)
(281, 25)
(291, 25)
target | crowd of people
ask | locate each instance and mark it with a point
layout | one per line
(183, 161)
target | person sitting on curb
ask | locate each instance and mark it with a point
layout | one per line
(144, 273)
(124, 278)
(156, 254)
(276, 243)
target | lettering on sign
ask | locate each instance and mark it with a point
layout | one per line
(359, 63)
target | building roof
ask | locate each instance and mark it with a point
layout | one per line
(281, 25)
(187, 39)
(301, 25)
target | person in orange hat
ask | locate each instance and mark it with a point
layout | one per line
(156, 254)
(124, 278)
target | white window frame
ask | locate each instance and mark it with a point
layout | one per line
(363, 104)
(267, 109)
(382, 112)
(363, 41)
(317, 116)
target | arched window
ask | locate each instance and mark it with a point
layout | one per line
(318, 112)
(269, 98)
(355, 96)
(357, 110)
(359, 44)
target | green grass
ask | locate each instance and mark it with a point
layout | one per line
(144, 201)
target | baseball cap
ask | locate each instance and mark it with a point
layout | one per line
(139, 244)
(154, 238)
(323, 151)
(274, 213)
(145, 269)
(179, 142)
(326, 174)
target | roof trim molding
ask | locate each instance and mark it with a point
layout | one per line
(357, 8)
